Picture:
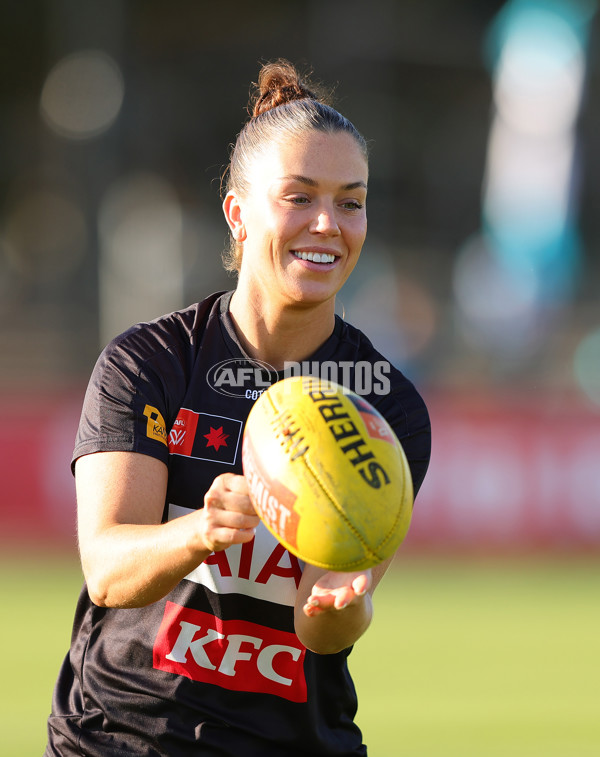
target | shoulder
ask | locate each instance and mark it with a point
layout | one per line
(153, 358)
(173, 336)
(140, 377)
(181, 327)
(394, 396)
(383, 384)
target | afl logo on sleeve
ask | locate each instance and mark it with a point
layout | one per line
(205, 437)
(155, 427)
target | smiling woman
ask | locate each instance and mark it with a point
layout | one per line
(196, 630)
(299, 233)
(295, 205)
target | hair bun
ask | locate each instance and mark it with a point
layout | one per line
(278, 83)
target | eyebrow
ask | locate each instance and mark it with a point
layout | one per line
(312, 183)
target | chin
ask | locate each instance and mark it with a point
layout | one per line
(313, 295)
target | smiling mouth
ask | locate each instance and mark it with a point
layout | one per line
(315, 257)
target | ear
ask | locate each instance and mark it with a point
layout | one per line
(233, 215)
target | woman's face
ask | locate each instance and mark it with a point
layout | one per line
(303, 221)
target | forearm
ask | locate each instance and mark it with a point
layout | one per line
(334, 630)
(130, 565)
(130, 558)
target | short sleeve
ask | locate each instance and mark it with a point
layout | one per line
(131, 398)
(406, 412)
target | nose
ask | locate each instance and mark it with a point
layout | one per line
(325, 222)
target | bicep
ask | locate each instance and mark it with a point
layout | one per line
(116, 488)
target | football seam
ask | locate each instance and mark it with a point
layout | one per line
(369, 552)
(399, 515)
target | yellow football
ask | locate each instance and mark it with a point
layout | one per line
(327, 475)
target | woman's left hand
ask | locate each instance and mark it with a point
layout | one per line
(336, 591)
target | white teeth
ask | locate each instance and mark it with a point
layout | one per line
(315, 257)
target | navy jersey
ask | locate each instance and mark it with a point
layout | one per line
(215, 667)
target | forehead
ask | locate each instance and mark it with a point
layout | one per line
(322, 156)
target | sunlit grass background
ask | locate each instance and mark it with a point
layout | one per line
(477, 658)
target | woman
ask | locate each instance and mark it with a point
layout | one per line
(196, 632)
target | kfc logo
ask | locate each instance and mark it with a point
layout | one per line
(234, 654)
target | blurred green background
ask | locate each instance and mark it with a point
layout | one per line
(479, 279)
(464, 657)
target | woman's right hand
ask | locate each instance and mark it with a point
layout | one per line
(228, 516)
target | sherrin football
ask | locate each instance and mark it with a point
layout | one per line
(327, 475)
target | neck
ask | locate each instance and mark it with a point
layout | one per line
(276, 333)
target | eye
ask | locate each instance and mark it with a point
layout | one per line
(352, 205)
(298, 200)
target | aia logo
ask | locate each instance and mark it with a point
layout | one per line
(241, 377)
(261, 568)
(233, 654)
(205, 437)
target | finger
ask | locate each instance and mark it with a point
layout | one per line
(231, 482)
(222, 538)
(228, 482)
(361, 584)
(218, 500)
(343, 598)
(337, 599)
(311, 608)
(321, 601)
(316, 605)
(235, 483)
(235, 519)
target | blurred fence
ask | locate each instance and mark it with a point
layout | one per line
(511, 472)
(507, 473)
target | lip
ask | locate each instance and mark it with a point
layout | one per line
(319, 249)
(311, 265)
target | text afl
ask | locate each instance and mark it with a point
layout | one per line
(248, 378)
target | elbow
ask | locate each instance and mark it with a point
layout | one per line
(98, 597)
(98, 589)
(97, 583)
(101, 582)
(105, 596)
(106, 591)
(326, 643)
(318, 647)
(325, 638)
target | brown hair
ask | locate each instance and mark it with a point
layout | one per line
(283, 105)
